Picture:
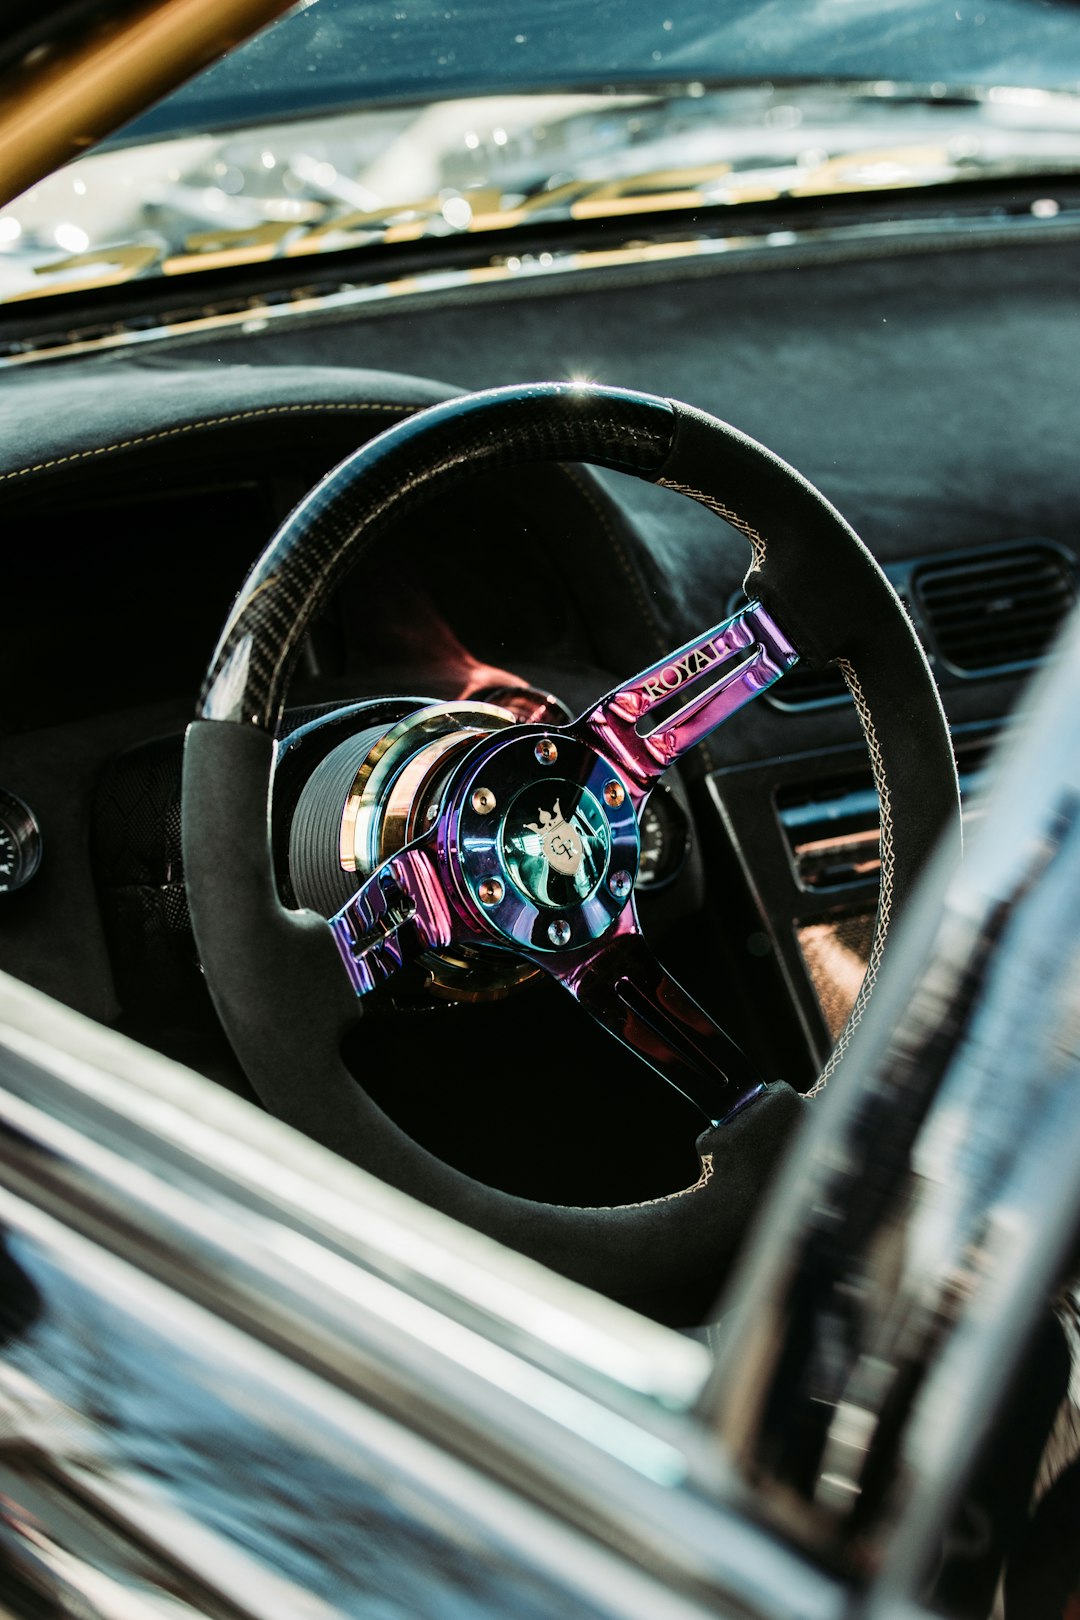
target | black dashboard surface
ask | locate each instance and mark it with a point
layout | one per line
(926, 394)
(929, 395)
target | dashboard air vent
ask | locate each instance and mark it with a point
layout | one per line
(810, 688)
(996, 609)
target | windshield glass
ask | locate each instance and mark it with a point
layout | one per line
(357, 127)
(336, 53)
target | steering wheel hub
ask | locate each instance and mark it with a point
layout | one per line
(370, 796)
(549, 850)
(556, 857)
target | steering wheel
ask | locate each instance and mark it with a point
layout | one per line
(529, 841)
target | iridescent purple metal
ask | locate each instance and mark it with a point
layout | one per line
(546, 868)
(622, 985)
(405, 908)
(552, 843)
(742, 656)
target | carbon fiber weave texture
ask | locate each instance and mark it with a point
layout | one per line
(331, 527)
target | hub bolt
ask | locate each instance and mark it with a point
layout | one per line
(546, 751)
(559, 931)
(614, 794)
(483, 801)
(620, 884)
(489, 892)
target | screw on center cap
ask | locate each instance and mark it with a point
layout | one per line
(556, 843)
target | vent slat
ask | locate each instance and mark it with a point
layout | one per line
(981, 626)
(1015, 590)
(1010, 567)
(1020, 559)
(999, 600)
(805, 687)
(999, 608)
(981, 619)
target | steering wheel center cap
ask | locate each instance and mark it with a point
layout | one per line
(549, 865)
(556, 843)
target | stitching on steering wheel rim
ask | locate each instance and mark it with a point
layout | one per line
(877, 763)
(886, 880)
(757, 544)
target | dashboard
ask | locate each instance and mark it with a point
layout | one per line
(928, 395)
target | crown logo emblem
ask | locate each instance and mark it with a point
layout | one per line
(560, 843)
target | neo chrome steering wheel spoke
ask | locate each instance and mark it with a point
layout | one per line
(719, 672)
(403, 909)
(621, 983)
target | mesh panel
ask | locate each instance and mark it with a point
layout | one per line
(836, 953)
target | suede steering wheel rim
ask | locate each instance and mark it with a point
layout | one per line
(816, 592)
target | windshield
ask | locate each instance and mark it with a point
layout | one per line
(352, 127)
(336, 53)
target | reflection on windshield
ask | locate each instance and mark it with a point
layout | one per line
(462, 168)
(329, 55)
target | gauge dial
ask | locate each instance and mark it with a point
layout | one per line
(20, 843)
(665, 841)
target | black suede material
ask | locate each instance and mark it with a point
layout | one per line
(62, 434)
(284, 1000)
(813, 572)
